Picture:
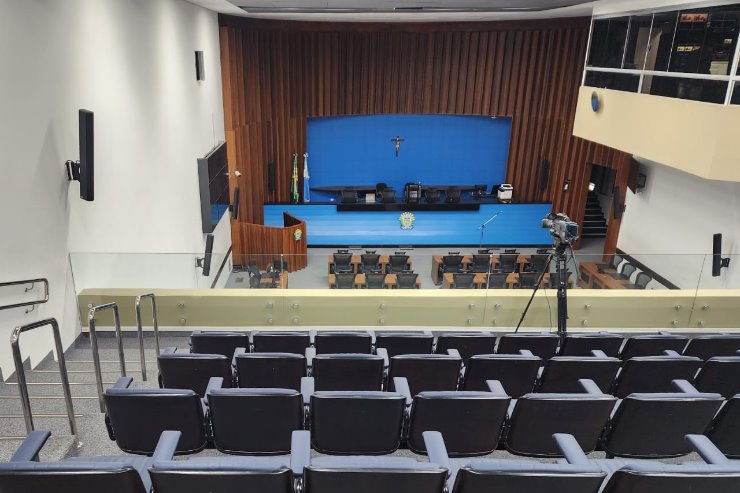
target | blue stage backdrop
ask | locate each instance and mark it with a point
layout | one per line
(436, 150)
(517, 225)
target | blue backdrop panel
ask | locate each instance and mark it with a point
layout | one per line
(436, 150)
(518, 224)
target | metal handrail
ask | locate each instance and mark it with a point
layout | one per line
(27, 303)
(141, 331)
(21, 374)
(94, 346)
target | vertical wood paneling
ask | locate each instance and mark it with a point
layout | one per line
(278, 74)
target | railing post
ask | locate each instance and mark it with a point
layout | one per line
(141, 330)
(94, 346)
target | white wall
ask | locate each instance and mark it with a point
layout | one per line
(132, 63)
(669, 226)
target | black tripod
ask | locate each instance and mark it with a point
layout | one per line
(560, 268)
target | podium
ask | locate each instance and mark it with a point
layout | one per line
(255, 244)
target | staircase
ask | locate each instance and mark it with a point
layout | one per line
(594, 224)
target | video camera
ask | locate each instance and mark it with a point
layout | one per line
(563, 230)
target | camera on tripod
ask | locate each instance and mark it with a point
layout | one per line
(563, 230)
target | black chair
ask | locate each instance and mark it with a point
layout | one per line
(345, 281)
(273, 276)
(724, 431)
(507, 262)
(452, 195)
(561, 373)
(554, 281)
(279, 265)
(432, 195)
(517, 373)
(542, 344)
(467, 343)
(379, 187)
(583, 344)
(349, 196)
(425, 372)
(709, 346)
(255, 277)
(612, 265)
(406, 280)
(342, 263)
(641, 281)
(654, 425)
(625, 272)
(497, 280)
(720, 374)
(652, 345)
(412, 193)
(388, 196)
(343, 342)
(254, 421)
(396, 343)
(463, 280)
(375, 281)
(527, 280)
(281, 342)
(397, 263)
(481, 263)
(136, 417)
(218, 342)
(654, 373)
(347, 372)
(370, 262)
(537, 263)
(192, 370)
(451, 263)
(270, 370)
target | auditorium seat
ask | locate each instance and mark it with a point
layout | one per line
(343, 342)
(624, 273)
(281, 342)
(654, 373)
(270, 370)
(406, 280)
(561, 373)
(342, 263)
(542, 344)
(652, 345)
(348, 371)
(708, 346)
(653, 425)
(527, 280)
(370, 263)
(218, 342)
(254, 421)
(345, 281)
(136, 417)
(426, 372)
(641, 281)
(537, 263)
(396, 343)
(583, 344)
(721, 375)
(467, 343)
(451, 263)
(375, 281)
(516, 372)
(507, 262)
(192, 370)
(724, 431)
(497, 280)
(614, 262)
(481, 263)
(396, 263)
(462, 280)
(536, 417)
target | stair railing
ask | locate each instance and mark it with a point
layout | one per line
(94, 346)
(141, 331)
(32, 282)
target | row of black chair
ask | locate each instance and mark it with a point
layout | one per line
(642, 279)
(404, 280)
(370, 263)
(499, 280)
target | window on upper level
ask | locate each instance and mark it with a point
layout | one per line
(638, 39)
(608, 38)
(736, 94)
(708, 91)
(705, 41)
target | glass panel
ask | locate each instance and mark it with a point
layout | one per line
(708, 91)
(607, 42)
(736, 94)
(610, 80)
(638, 39)
(705, 41)
(661, 41)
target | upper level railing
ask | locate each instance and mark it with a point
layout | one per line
(32, 282)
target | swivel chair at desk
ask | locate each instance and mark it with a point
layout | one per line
(452, 196)
(412, 193)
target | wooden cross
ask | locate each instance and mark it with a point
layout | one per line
(397, 141)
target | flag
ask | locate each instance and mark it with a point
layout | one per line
(306, 177)
(294, 180)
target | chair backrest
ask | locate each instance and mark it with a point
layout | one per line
(507, 262)
(342, 262)
(467, 343)
(536, 417)
(375, 281)
(370, 261)
(654, 425)
(538, 262)
(343, 342)
(652, 345)
(654, 374)
(497, 280)
(583, 344)
(397, 263)
(218, 342)
(721, 375)
(345, 281)
(431, 194)
(561, 373)
(192, 371)
(541, 344)
(628, 269)
(615, 261)
(642, 280)
(137, 417)
(452, 263)
(412, 192)
(111, 476)
(554, 281)
(270, 370)
(462, 280)
(709, 346)
(483, 476)
(396, 343)
(356, 422)
(470, 422)
(255, 421)
(528, 280)
(388, 195)
(426, 372)
(279, 265)
(347, 371)
(724, 431)
(452, 196)
(517, 373)
(281, 342)
(481, 263)
(672, 478)
(372, 475)
(406, 280)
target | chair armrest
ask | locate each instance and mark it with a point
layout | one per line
(381, 351)
(402, 387)
(310, 355)
(526, 352)
(436, 449)
(598, 353)
(495, 387)
(307, 388)
(589, 386)
(167, 445)
(707, 450)
(684, 386)
(300, 451)
(122, 383)
(31, 446)
(168, 350)
(214, 383)
(237, 351)
(670, 352)
(454, 352)
(737, 353)
(571, 450)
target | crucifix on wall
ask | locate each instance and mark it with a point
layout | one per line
(397, 141)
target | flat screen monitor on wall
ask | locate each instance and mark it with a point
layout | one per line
(213, 181)
(84, 169)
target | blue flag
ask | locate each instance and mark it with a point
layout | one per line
(306, 177)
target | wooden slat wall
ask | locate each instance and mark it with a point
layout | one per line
(276, 74)
(259, 245)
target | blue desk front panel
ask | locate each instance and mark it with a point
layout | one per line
(518, 224)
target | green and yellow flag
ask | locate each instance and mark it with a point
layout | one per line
(294, 180)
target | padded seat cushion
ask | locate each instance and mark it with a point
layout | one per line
(370, 462)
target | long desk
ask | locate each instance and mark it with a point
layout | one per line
(590, 278)
(357, 260)
(468, 260)
(388, 283)
(479, 280)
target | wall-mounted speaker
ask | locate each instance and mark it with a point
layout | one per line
(717, 261)
(200, 73)
(206, 261)
(544, 174)
(271, 177)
